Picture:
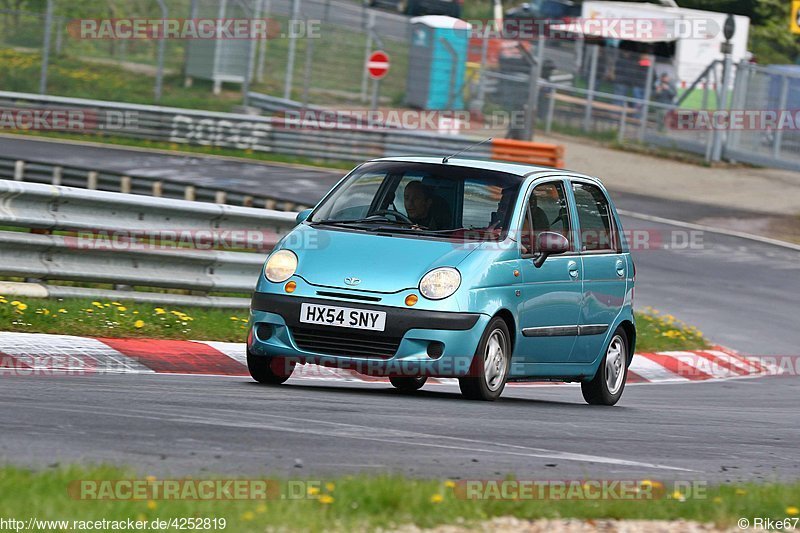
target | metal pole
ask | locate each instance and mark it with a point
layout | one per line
(727, 67)
(307, 69)
(287, 88)
(778, 139)
(648, 91)
(48, 26)
(367, 52)
(482, 80)
(249, 63)
(161, 45)
(375, 90)
(587, 117)
(262, 52)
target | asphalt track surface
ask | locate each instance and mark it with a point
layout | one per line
(740, 293)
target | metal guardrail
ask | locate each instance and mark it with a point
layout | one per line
(127, 240)
(243, 132)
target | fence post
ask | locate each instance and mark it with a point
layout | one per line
(48, 28)
(189, 193)
(287, 86)
(778, 139)
(622, 123)
(551, 109)
(91, 180)
(125, 184)
(158, 189)
(19, 170)
(262, 49)
(307, 70)
(220, 197)
(484, 60)
(648, 90)
(367, 52)
(57, 175)
(587, 117)
(161, 44)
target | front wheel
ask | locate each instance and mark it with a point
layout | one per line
(269, 370)
(490, 365)
(408, 384)
(608, 383)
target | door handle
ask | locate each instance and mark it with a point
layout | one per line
(620, 268)
(572, 266)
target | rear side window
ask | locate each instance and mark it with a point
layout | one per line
(594, 216)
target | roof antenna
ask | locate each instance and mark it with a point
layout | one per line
(446, 158)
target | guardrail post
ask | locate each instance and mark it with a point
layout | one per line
(125, 184)
(247, 201)
(288, 206)
(158, 189)
(19, 170)
(220, 197)
(57, 171)
(91, 180)
(269, 203)
(189, 193)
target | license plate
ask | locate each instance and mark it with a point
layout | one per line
(345, 317)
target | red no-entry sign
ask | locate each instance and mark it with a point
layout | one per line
(378, 65)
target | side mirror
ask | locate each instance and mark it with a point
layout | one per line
(549, 243)
(302, 216)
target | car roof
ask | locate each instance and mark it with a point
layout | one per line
(509, 167)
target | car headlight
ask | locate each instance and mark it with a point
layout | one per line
(280, 266)
(439, 283)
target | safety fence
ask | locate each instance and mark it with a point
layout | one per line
(107, 241)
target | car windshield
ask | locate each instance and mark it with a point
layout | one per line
(435, 200)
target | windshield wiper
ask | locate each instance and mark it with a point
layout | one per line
(373, 219)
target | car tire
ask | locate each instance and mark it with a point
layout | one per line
(408, 384)
(489, 369)
(607, 385)
(269, 370)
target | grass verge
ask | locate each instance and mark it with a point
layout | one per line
(656, 332)
(386, 501)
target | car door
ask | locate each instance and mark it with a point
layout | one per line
(604, 269)
(551, 293)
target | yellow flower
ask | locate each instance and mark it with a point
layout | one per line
(741, 492)
(22, 307)
(89, 310)
(647, 483)
(138, 324)
(97, 304)
(159, 311)
(248, 515)
(151, 505)
(678, 495)
(792, 511)
(16, 303)
(449, 484)
(151, 478)
(122, 308)
(234, 318)
(313, 491)
(437, 498)
(261, 509)
(326, 499)
(115, 303)
(717, 500)
(330, 486)
(62, 310)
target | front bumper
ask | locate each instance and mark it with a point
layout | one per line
(276, 331)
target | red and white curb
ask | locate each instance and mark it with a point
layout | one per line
(37, 354)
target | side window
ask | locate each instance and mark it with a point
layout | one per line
(594, 216)
(548, 212)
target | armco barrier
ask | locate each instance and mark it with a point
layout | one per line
(544, 154)
(134, 227)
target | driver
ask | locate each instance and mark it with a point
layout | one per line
(418, 200)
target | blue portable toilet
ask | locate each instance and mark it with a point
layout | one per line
(437, 62)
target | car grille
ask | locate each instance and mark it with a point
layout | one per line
(344, 342)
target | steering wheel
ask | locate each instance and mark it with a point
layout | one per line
(396, 214)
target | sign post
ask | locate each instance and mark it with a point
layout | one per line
(377, 67)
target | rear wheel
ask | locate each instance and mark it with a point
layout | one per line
(408, 384)
(608, 383)
(269, 370)
(490, 365)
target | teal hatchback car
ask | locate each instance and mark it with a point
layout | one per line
(484, 271)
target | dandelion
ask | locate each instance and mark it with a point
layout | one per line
(234, 318)
(678, 495)
(122, 308)
(159, 311)
(115, 303)
(138, 324)
(261, 509)
(248, 515)
(449, 484)
(16, 303)
(741, 492)
(152, 505)
(151, 478)
(437, 498)
(89, 310)
(330, 486)
(792, 511)
(313, 491)
(22, 307)
(97, 304)
(62, 310)
(717, 500)
(326, 499)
